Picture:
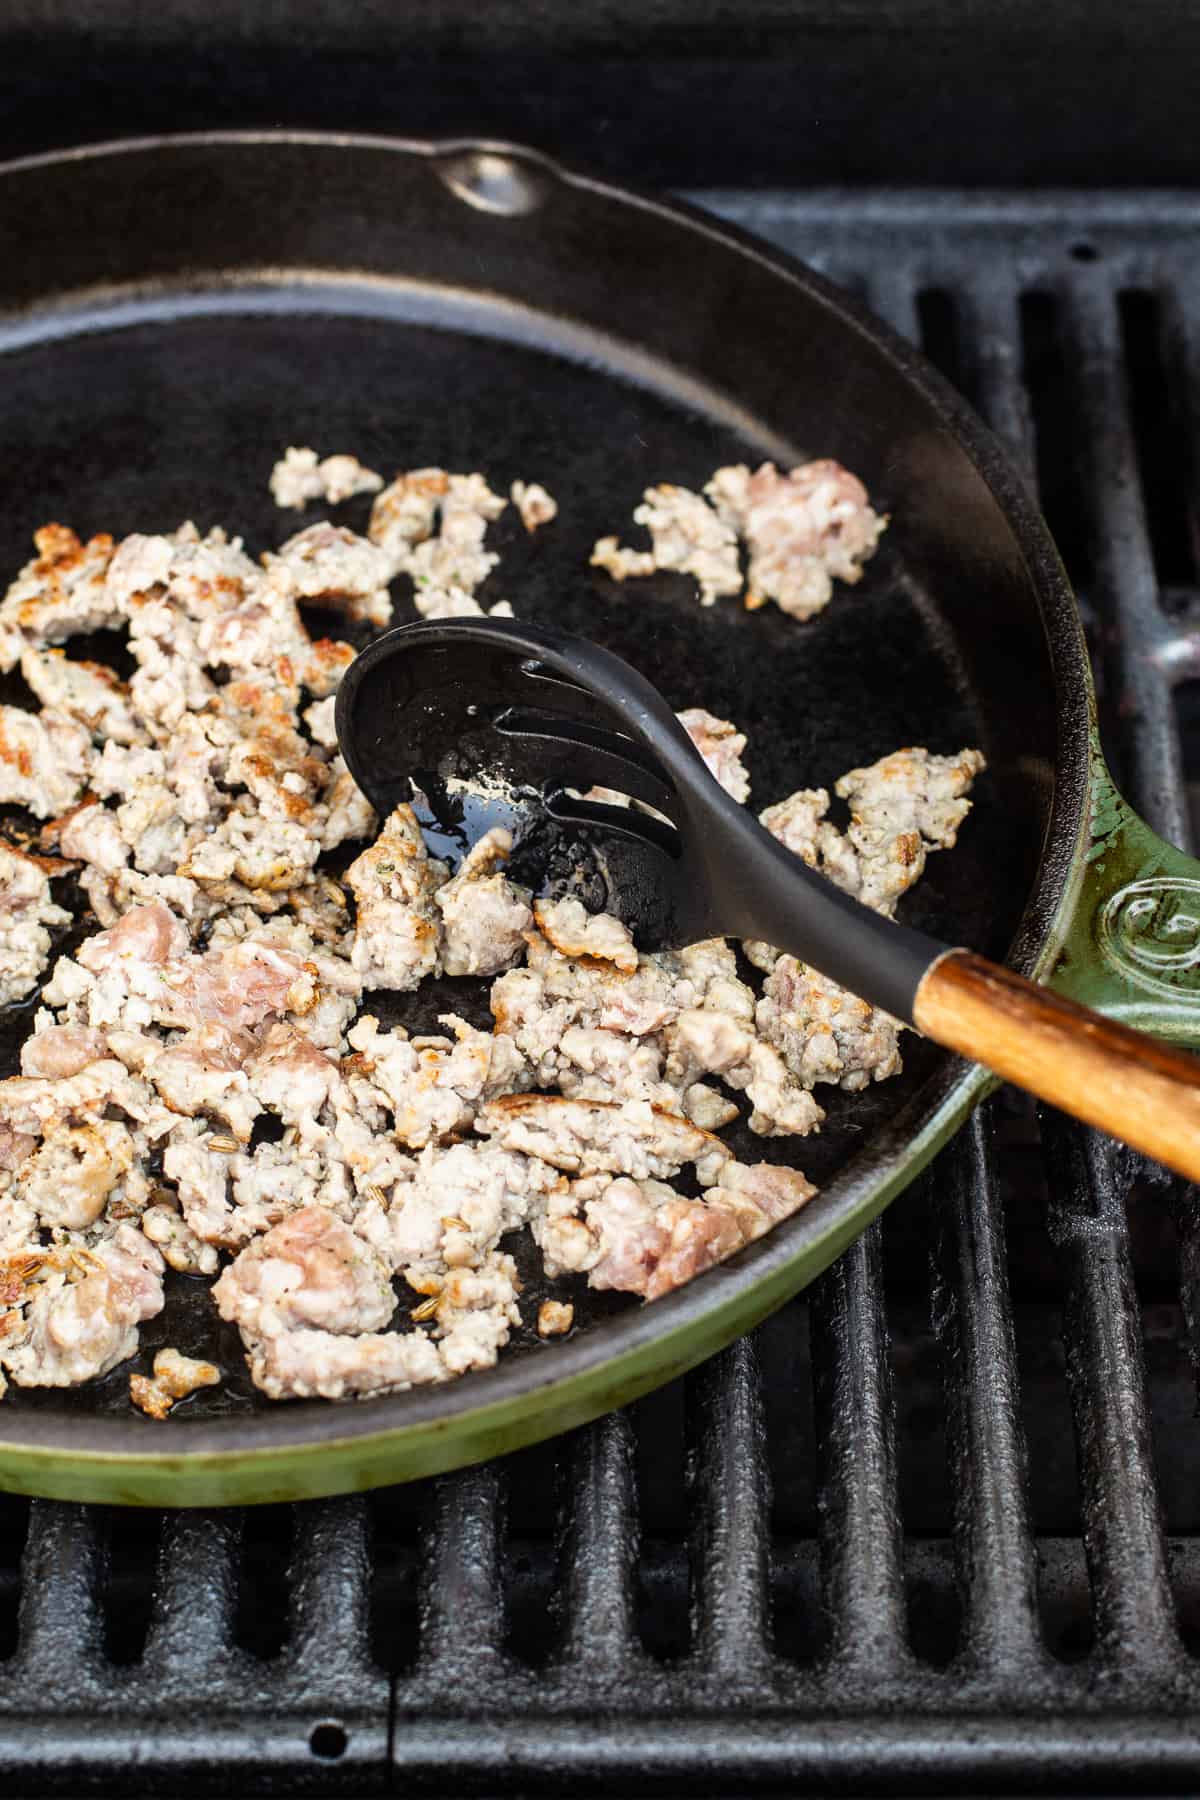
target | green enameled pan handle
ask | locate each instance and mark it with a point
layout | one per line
(1130, 944)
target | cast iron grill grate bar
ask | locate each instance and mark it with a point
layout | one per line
(462, 1639)
(191, 1633)
(729, 1502)
(329, 1586)
(1134, 1612)
(599, 1554)
(1000, 1636)
(1051, 349)
(59, 1627)
(892, 290)
(1133, 1606)
(973, 1320)
(1125, 580)
(856, 1455)
(990, 320)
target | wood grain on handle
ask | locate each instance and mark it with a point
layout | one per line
(1124, 1082)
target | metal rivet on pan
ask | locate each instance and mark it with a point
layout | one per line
(494, 182)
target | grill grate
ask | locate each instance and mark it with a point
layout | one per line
(828, 1558)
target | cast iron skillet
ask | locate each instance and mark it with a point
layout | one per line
(173, 313)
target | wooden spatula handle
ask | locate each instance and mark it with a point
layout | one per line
(1141, 1091)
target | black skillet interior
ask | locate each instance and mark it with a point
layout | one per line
(136, 423)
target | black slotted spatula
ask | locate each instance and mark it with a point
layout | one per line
(486, 721)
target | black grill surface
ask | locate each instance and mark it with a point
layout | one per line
(934, 1527)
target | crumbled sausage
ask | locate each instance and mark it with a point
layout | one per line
(555, 1318)
(803, 531)
(219, 1001)
(175, 1377)
(300, 476)
(26, 913)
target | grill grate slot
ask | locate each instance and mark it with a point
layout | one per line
(126, 1591)
(1038, 1289)
(940, 334)
(663, 1598)
(1054, 408)
(262, 1603)
(1159, 438)
(860, 1524)
(1066, 1599)
(396, 1516)
(531, 1601)
(1180, 341)
(14, 1519)
(1187, 726)
(785, 1365)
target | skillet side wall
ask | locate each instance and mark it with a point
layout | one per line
(664, 300)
